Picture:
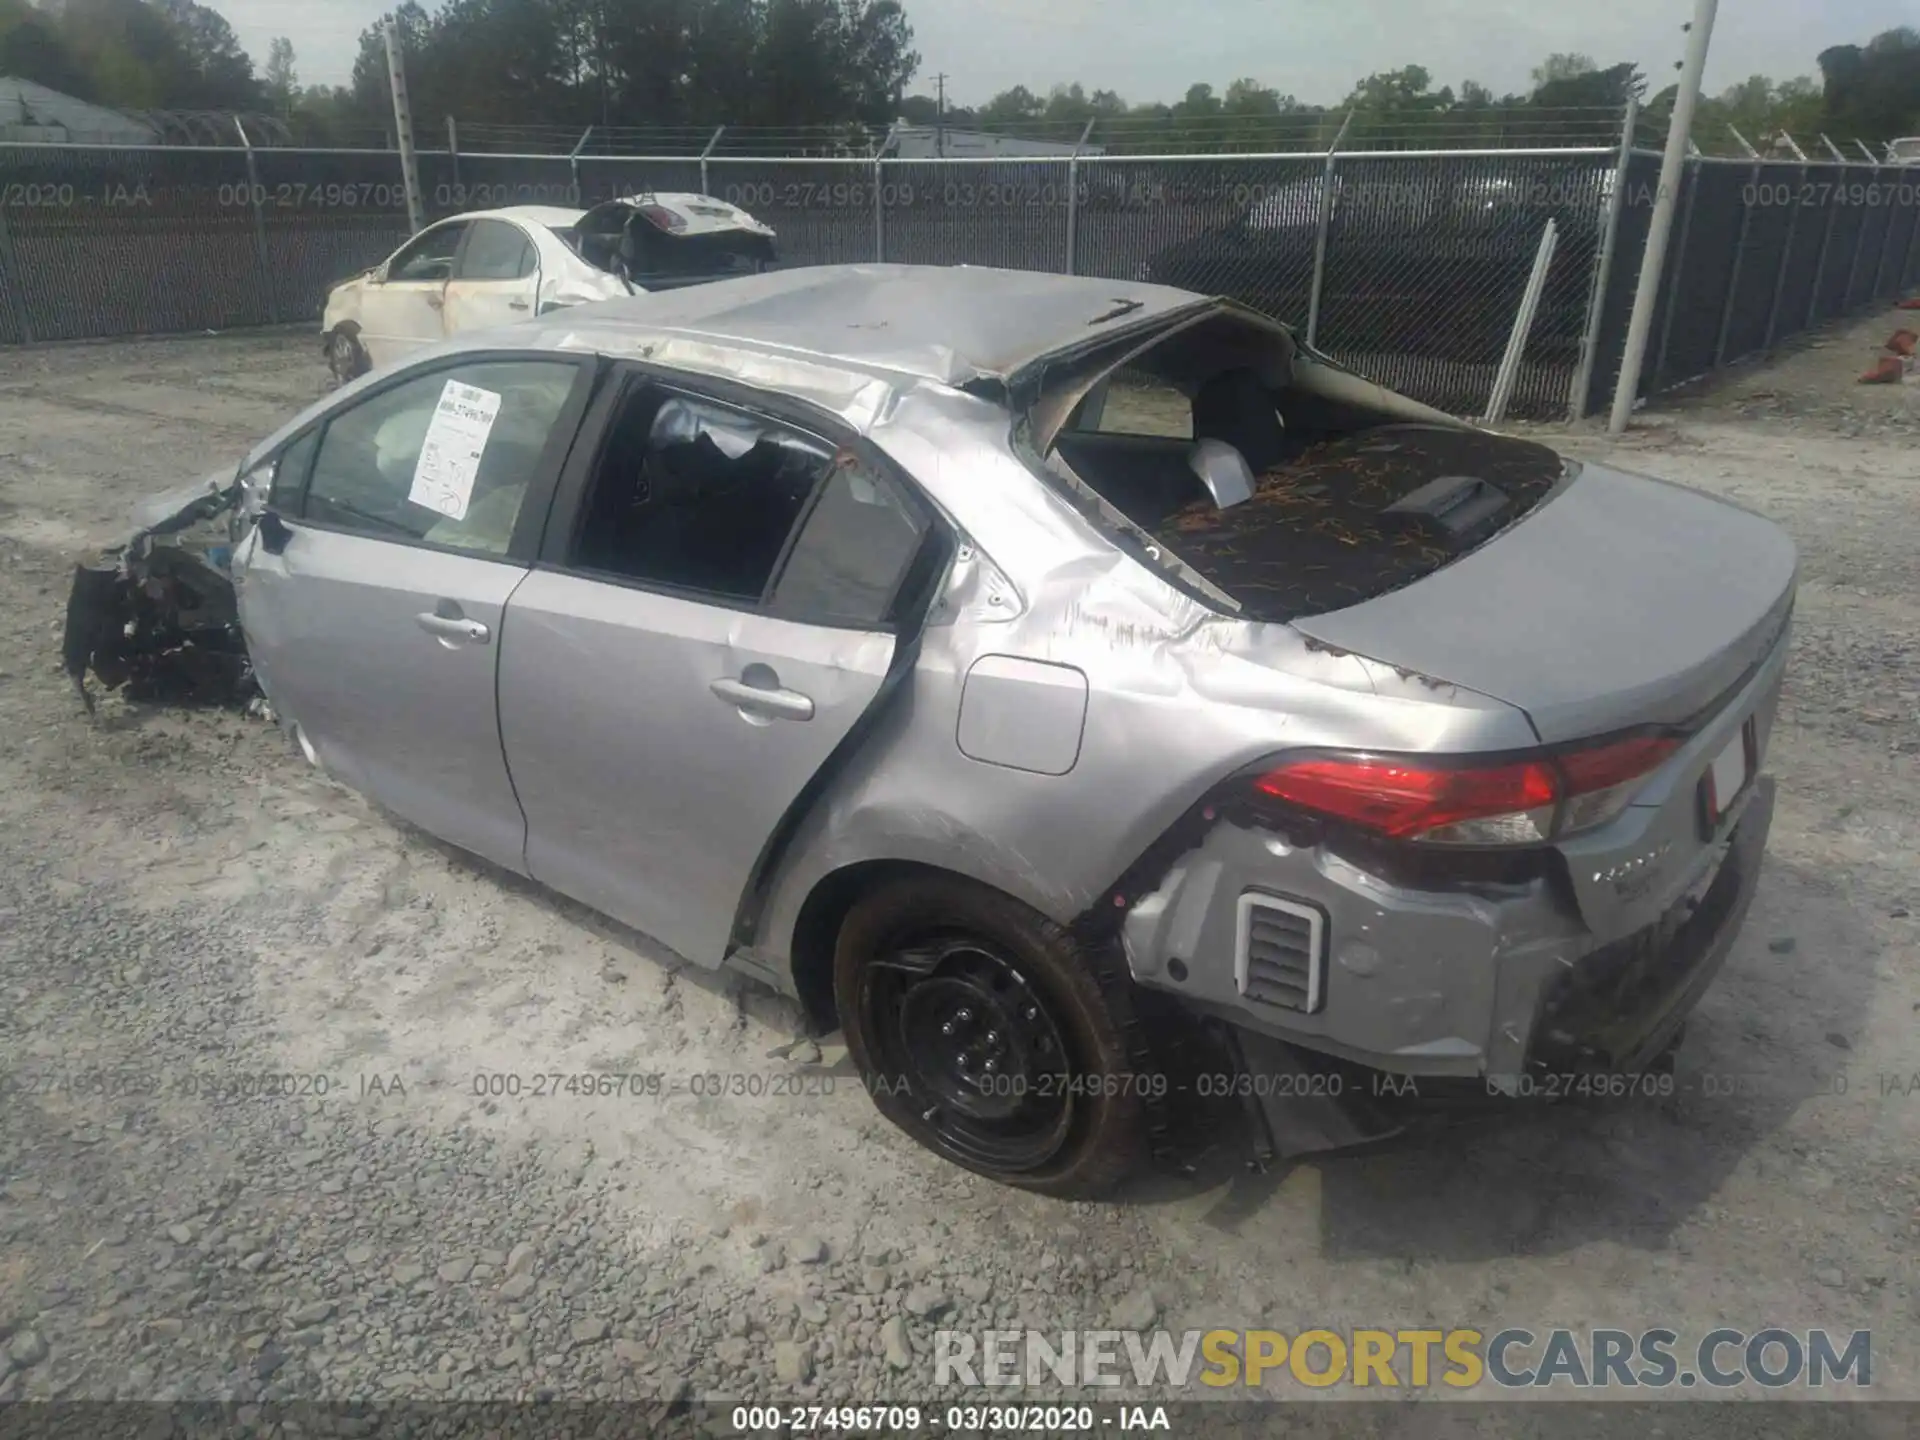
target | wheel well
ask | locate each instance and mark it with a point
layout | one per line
(818, 928)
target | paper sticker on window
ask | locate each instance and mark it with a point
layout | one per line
(450, 458)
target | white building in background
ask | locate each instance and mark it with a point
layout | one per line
(33, 113)
(930, 142)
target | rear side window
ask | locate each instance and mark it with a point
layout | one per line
(496, 251)
(445, 458)
(1136, 402)
(694, 495)
(856, 544)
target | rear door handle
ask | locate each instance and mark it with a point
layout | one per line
(774, 704)
(437, 302)
(449, 628)
(516, 305)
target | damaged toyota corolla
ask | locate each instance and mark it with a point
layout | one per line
(845, 628)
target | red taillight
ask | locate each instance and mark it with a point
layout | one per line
(1402, 799)
(1513, 803)
(1608, 765)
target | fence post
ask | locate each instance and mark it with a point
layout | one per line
(1853, 263)
(254, 194)
(1647, 288)
(1073, 196)
(1820, 265)
(1321, 233)
(1739, 264)
(10, 272)
(1603, 269)
(879, 195)
(1886, 240)
(403, 130)
(1907, 266)
(573, 163)
(453, 150)
(705, 187)
(1673, 274)
(1509, 372)
(1786, 261)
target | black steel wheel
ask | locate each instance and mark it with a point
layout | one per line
(347, 358)
(988, 1035)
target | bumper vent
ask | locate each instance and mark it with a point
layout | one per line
(1280, 954)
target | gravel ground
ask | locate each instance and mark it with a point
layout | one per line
(185, 908)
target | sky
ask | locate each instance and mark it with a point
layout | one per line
(1313, 49)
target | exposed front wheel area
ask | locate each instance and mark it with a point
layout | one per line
(981, 1029)
(346, 357)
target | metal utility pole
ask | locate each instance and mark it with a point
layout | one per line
(1672, 167)
(403, 127)
(940, 115)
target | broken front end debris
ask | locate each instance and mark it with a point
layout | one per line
(157, 616)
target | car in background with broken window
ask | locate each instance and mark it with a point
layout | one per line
(497, 267)
(861, 630)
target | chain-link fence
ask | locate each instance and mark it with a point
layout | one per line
(1408, 266)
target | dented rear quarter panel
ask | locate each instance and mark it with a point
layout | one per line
(1179, 696)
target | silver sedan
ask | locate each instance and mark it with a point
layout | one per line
(1082, 693)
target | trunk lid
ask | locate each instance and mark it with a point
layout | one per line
(1620, 601)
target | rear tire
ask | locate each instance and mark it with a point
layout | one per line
(347, 358)
(991, 1036)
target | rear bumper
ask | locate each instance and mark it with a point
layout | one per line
(1468, 985)
(1592, 964)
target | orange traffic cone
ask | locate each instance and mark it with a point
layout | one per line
(1887, 370)
(1903, 342)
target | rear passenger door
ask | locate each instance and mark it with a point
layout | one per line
(496, 279)
(718, 603)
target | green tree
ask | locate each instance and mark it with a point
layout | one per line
(32, 47)
(1873, 91)
(282, 77)
(1562, 65)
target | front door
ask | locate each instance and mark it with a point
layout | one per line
(376, 627)
(715, 617)
(496, 278)
(404, 308)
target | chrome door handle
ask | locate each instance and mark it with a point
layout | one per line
(448, 628)
(774, 704)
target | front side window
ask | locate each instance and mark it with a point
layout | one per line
(290, 473)
(497, 251)
(695, 495)
(429, 257)
(445, 458)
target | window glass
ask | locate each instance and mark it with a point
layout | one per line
(857, 542)
(497, 251)
(290, 474)
(430, 257)
(444, 458)
(696, 495)
(1136, 402)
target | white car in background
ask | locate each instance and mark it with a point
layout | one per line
(1905, 151)
(495, 267)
